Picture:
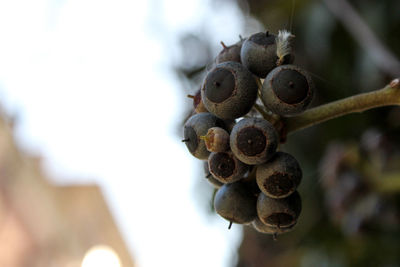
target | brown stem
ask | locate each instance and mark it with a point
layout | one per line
(387, 96)
(224, 45)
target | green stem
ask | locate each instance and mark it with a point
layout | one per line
(387, 96)
(269, 117)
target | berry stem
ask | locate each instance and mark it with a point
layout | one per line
(387, 96)
(264, 113)
(224, 45)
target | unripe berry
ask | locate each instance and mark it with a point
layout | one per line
(198, 103)
(229, 90)
(253, 140)
(287, 90)
(196, 126)
(230, 53)
(282, 212)
(216, 139)
(225, 167)
(280, 176)
(258, 53)
(236, 203)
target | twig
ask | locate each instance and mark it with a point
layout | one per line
(387, 96)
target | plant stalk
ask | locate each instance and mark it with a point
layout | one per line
(387, 96)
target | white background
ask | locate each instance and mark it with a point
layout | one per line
(90, 86)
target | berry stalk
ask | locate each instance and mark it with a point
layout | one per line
(272, 118)
(387, 96)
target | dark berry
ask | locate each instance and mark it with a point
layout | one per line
(282, 212)
(229, 90)
(258, 53)
(225, 167)
(228, 124)
(236, 203)
(287, 90)
(253, 140)
(214, 182)
(280, 176)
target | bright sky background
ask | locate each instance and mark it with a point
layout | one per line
(89, 83)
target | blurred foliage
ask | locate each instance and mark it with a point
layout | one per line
(351, 165)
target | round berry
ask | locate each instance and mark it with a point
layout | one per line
(230, 53)
(228, 124)
(287, 90)
(282, 212)
(236, 203)
(253, 140)
(280, 176)
(225, 167)
(214, 182)
(258, 53)
(229, 90)
(197, 103)
(196, 126)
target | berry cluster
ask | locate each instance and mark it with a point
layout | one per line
(256, 183)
